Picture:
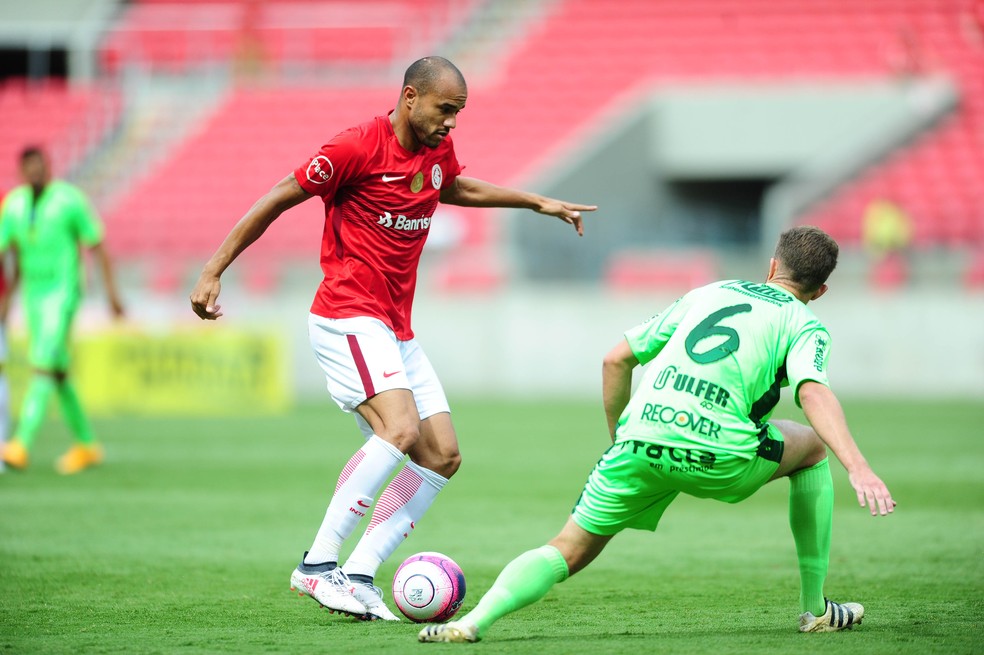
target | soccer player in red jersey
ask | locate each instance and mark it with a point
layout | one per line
(380, 182)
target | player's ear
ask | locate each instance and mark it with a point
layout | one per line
(773, 267)
(819, 292)
(409, 95)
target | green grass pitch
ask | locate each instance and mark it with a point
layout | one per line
(183, 542)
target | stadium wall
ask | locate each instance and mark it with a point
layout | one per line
(533, 344)
(536, 342)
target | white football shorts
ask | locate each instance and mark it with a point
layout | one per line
(362, 357)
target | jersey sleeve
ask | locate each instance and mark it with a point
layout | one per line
(647, 339)
(807, 359)
(87, 224)
(338, 161)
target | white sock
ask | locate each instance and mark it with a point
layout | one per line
(400, 506)
(358, 484)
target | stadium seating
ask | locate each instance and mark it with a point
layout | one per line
(939, 179)
(181, 209)
(182, 35)
(66, 120)
(551, 84)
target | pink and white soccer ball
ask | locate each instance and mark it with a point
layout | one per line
(429, 587)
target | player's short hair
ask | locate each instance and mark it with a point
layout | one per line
(31, 151)
(807, 256)
(425, 73)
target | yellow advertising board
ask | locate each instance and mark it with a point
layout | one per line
(202, 372)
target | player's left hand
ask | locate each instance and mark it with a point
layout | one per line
(568, 212)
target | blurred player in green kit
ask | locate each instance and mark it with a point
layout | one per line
(45, 223)
(698, 424)
(4, 385)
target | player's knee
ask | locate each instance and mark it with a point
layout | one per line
(403, 437)
(817, 454)
(443, 462)
(451, 464)
(58, 376)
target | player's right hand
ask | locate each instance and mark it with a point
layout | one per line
(872, 492)
(203, 298)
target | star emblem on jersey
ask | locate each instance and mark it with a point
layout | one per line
(417, 183)
(392, 178)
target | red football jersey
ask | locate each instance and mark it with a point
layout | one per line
(379, 199)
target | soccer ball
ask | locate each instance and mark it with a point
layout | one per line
(429, 587)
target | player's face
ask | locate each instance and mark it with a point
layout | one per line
(34, 170)
(434, 114)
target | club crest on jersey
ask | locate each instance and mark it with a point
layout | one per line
(320, 170)
(417, 183)
(437, 176)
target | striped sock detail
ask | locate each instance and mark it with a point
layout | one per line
(397, 494)
(401, 504)
(347, 471)
(358, 484)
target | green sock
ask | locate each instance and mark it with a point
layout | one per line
(74, 414)
(811, 512)
(524, 581)
(34, 408)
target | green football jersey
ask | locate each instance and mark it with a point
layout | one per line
(718, 357)
(47, 235)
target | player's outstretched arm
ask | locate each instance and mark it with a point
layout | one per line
(286, 194)
(471, 192)
(826, 415)
(616, 382)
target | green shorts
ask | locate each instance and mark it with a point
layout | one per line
(635, 481)
(49, 327)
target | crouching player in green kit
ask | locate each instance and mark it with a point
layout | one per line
(45, 222)
(698, 424)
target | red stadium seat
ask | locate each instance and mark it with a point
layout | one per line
(551, 82)
(66, 121)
